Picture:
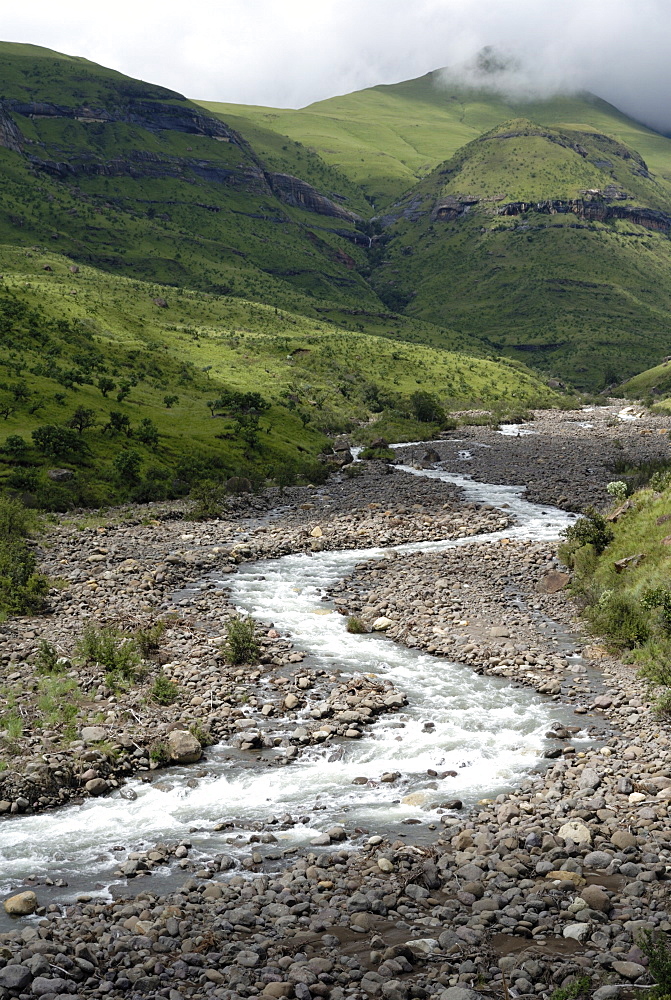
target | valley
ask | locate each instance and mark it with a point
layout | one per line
(335, 624)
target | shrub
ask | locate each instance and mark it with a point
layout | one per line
(620, 619)
(164, 691)
(355, 625)
(204, 736)
(209, 501)
(48, 659)
(16, 446)
(22, 588)
(617, 490)
(592, 529)
(148, 639)
(379, 454)
(241, 645)
(159, 753)
(112, 650)
(659, 598)
(656, 948)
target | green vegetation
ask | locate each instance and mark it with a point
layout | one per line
(22, 588)
(621, 576)
(355, 625)
(656, 948)
(111, 649)
(159, 753)
(241, 645)
(581, 987)
(164, 691)
(48, 660)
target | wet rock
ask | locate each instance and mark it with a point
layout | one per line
(21, 905)
(183, 747)
(97, 786)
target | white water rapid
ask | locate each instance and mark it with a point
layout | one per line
(489, 732)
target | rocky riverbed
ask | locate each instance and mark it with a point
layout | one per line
(527, 892)
(563, 457)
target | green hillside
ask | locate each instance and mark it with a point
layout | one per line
(565, 235)
(386, 138)
(145, 390)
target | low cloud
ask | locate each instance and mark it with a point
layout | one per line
(292, 53)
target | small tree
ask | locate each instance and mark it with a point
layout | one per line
(82, 419)
(15, 446)
(117, 423)
(106, 384)
(54, 441)
(124, 390)
(170, 401)
(128, 464)
(147, 433)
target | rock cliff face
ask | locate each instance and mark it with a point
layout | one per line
(293, 191)
(10, 136)
(144, 164)
(595, 210)
(151, 115)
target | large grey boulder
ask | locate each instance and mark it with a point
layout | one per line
(184, 747)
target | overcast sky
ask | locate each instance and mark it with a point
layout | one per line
(289, 53)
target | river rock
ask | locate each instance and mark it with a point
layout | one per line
(630, 970)
(278, 990)
(96, 786)
(578, 932)
(552, 582)
(15, 977)
(93, 734)
(184, 747)
(596, 898)
(459, 993)
(382, 624)
(576, 831)
(623, 839)
(21, 905)
(41, 986)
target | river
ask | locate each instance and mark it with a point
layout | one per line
(488, 731)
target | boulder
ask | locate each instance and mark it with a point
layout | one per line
(96, 786)
(93, 734)
(184, 747)
(552, 582)
(21, 905)
(60, 475)
(15, 977)
(576, 831)
(382, 624)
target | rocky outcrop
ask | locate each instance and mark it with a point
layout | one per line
(10, 136)
(593, 210)
(151, 115)
(293, 191)
(450, 208)
(140, 163)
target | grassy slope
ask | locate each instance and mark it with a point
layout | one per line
(194, 348)
(207, 218)
(386, 138)
(583, 300)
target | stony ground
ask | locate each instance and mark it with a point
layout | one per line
(561, 462)
(525, 893)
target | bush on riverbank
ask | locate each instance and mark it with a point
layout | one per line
(241, 645)
(22, 589)
(621, 576)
